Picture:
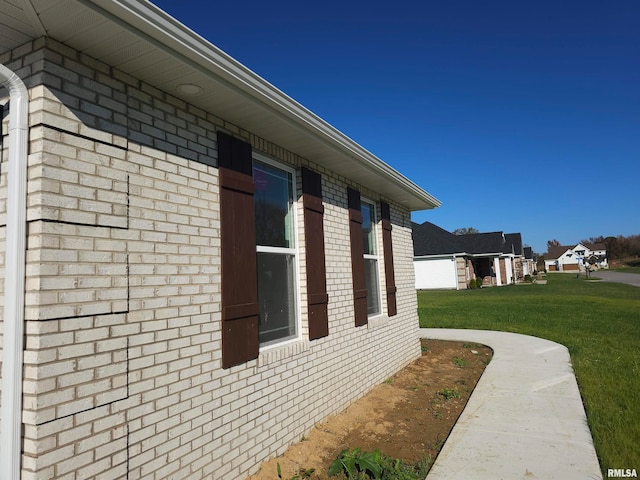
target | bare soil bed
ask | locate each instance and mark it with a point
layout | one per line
(408, 417)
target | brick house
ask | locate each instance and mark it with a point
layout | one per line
(211, 269)
(443, 260)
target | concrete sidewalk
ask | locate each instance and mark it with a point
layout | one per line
(524, 420)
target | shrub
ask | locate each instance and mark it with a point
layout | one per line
(449, 393)
(459, 362)
(356, 464)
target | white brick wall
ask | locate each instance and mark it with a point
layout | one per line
(123, 353)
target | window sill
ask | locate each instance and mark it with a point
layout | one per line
(277, 353)
(377, 321)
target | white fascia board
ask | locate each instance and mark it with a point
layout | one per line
(436, 257)
(176, 38)
(486, 255)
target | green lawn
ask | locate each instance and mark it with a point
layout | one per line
(600, 325)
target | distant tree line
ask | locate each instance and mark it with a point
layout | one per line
(620, 247)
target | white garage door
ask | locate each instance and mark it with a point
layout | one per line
(435, 273)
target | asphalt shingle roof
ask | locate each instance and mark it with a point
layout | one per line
(556, 251)
(479, 243)
(429, 239)
(513, 243)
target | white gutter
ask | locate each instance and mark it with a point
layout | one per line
(440, 255)
(16, 244)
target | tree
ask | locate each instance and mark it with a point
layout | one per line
(619, 248)
(613, 247)
(552, 243)
(465, 231)
(599, 239)
(634, 241)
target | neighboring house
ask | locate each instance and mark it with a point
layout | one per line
(443, 260)
(529, 264)
(211, 269)
(562, 258)
(513, 258)
(486, 250)
(439, 258)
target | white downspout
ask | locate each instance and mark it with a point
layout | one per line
(16, 244)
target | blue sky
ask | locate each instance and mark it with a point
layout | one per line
(518, 116)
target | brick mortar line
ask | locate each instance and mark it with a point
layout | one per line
(120, 312)
(79, 224)
(81, 411)
(80, 135)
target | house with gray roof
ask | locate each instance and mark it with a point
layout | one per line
(440, 259)
(443, 260)
(529, 263)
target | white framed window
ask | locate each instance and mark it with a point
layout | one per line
(276, 249)
(371, 263)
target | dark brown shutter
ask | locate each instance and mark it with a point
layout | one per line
(314, 248)
(389, 274)
(357, 257)
(238, 249)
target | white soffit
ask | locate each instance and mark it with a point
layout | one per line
(143, 41)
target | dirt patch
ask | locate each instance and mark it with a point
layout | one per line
(409, 416)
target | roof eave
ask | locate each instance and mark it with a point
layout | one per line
(143, 18)
(481, 255)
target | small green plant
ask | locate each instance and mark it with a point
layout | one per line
(459, 362)
(306, 472)
(449, 393)
(437, 443)
(423, 466)
(302, 473)
(355, 464)
(389, 381)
